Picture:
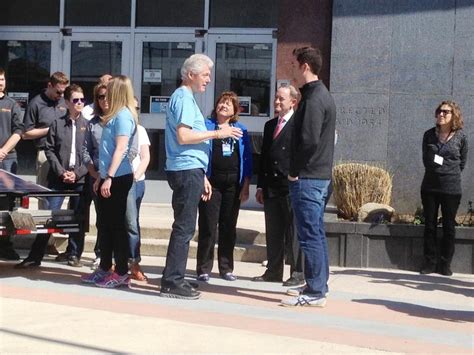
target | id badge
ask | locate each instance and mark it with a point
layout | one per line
(438, 159)
(226, 149)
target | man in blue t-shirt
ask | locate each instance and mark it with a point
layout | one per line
(187, 145)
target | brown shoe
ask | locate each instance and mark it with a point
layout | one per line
(136, 273)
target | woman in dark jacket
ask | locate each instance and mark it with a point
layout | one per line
(229, 172)
(444, 158)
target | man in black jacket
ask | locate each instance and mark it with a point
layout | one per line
(11, 128)
(272, 192)
(311, 161)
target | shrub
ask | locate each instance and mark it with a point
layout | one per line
(356, 184)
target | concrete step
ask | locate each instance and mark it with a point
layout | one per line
(158, 247)
(244, 236)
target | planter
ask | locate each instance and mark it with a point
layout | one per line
(393, 246)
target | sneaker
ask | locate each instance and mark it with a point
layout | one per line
(136, 273)
(9, 253)
(228, 276)
(304, 301)
(183, 291)
(203, 277)
(296, 291)
(62, 257)
(74, 261)
(95, 264)
(95, 277)
(114, 280)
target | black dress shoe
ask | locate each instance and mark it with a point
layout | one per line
(444, 269)
(266, 278)
(27, 263)
(428, 268)
(182, 291)
(294, 282)
(9, 253)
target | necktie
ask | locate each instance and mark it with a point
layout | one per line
(279, 127)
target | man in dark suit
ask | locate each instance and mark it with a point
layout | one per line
(272, 192)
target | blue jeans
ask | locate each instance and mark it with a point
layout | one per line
(134, 201)
(308, 199)
(187, 186)
(9, 164)
(75, 245)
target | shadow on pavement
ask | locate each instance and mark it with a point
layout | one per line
(422, 311)
(414, 281)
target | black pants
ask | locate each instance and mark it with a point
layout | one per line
(281, 237)
(220, 213)
(113, 231)
(439, 249)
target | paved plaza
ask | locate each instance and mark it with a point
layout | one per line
(47, 310)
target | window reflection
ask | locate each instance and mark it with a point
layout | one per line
(246, 69)
(161, 66)
(91, 59)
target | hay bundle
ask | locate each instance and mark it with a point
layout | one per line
(356, 184)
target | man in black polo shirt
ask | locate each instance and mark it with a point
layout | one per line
(42, 110)
(11, 128)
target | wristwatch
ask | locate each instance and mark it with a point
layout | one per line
(109, 176)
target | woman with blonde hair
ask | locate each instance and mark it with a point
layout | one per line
(444, 158)
(116, 178)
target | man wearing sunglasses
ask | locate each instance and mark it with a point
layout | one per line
(42, 110)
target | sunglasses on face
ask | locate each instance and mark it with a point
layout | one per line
(101, 97)
(80, 100)
(445, 112)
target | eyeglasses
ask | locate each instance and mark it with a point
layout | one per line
(445, 112)
(76, 101)
(101, 97)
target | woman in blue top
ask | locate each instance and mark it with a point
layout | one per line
(229, 172)
(116, 178)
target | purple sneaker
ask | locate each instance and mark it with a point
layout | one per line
(114, 280)
(95, 277)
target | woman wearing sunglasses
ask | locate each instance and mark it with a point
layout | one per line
(116, 178)
(444, 158)
(67, 171)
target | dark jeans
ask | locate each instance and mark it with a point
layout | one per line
(187, 186)
(114, 236)
(308, 200)
(75, 245)
(439, 249)
(10, 165)
(280, 237)
(220, 213)
(134, 201)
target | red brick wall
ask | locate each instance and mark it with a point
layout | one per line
(303, 23)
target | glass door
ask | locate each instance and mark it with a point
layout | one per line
(158, 59)
(28, 60)
(88, 56)
(246, 65)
